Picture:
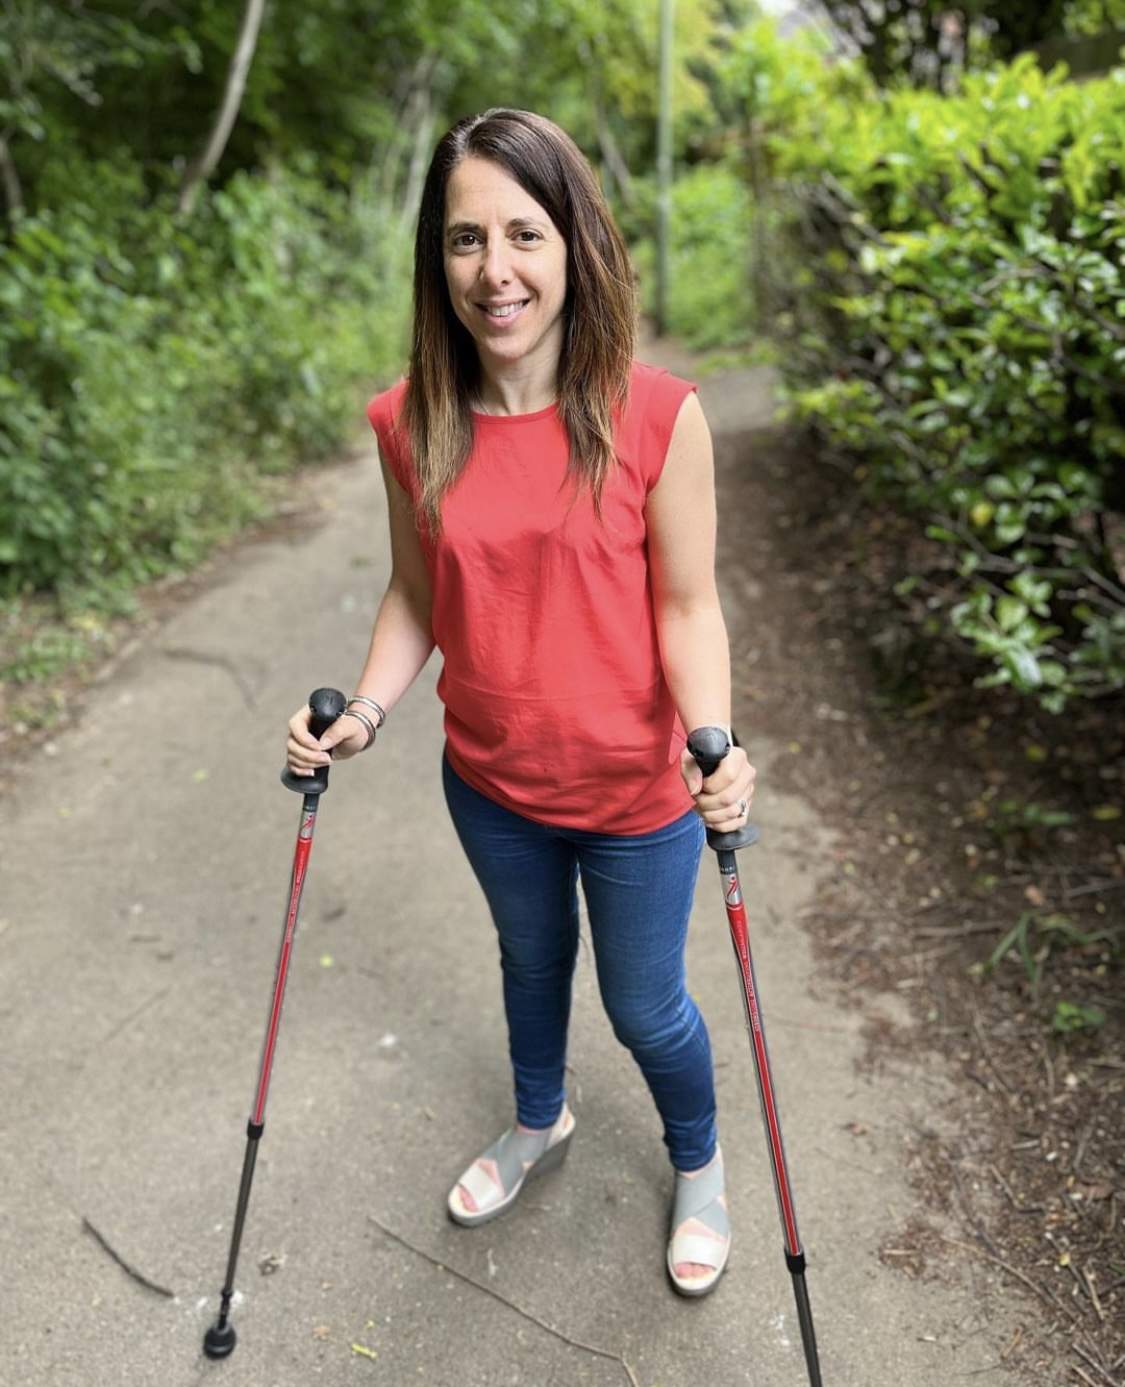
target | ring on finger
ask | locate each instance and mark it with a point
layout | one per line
(743, 808)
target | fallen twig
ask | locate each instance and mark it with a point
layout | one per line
(1093, 1293)
(1019, 1208)
(124, 1265)
(511, 1305)
(1043, 1295)
(987, 1053)
(1097, 1367)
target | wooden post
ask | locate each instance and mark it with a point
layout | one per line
(664, 167)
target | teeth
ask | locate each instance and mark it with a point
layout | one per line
(505, 312)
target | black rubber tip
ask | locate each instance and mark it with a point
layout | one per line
(219, 1341)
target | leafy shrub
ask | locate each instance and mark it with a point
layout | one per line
(153, 372)
(955, 316)
(709, 294)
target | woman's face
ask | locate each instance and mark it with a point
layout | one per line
(500, 249)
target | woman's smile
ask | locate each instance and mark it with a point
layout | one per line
(501, 316)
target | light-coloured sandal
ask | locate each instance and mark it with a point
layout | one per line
(701, 1230)
(496, 1177)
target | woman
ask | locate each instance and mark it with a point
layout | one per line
(581, 637)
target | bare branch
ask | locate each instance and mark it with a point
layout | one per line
(201, 166)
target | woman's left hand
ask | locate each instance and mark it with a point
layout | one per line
(717, 798)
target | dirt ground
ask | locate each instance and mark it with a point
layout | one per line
(933, 782)
(940, 791)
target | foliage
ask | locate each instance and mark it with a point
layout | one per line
(1073, 1016)
(1036, 934)
(956, 314)
(931, 43)
(709, 299)
(152, 371)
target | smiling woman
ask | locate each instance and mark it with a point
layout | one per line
(552, 515)
(511, 213)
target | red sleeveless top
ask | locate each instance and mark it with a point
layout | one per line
(556, 705)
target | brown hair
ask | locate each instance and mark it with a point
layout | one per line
(599, 310)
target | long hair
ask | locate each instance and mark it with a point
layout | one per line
(599, 309)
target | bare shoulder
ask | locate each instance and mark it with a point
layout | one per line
(689, 462)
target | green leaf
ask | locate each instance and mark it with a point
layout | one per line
(1010, 611)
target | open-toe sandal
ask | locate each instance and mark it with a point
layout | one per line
(700, 1228)
(497, 1175)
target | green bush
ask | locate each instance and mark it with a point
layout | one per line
(709, 298)
(153, 372)
(955, 317)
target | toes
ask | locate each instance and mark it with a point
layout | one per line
(689, 1271)
(470, 1204)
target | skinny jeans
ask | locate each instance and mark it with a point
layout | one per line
(638, 890)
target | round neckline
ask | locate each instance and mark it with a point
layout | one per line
(516, 418)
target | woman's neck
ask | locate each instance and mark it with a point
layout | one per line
(521, 387)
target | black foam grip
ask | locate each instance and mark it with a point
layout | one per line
(708, 745)
(325, 707)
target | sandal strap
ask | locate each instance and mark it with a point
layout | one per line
(698, 1197)
(511, 1155)
(692, 1247)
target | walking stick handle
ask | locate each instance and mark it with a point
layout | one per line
(325, 706)
(708, 745)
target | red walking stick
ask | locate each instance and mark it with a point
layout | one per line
(325, 706)
(708, 745)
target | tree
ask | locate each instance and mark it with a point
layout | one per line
(200, 167)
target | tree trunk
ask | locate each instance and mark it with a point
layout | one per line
(611, 156)
(200, 167)
(425, 116)
(13, 192)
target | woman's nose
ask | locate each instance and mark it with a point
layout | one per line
(495, 267)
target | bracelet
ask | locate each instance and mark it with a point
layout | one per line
(363, 718)
(362, 698)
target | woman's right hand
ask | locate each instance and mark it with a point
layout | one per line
(346, 737)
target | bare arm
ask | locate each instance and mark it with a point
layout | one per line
(401, 641)
(694, 647)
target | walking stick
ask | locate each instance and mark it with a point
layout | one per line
(708, 745)
(325, 706)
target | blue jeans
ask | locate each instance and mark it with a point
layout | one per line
(639, 890)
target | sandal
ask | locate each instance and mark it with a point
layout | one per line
(497, 1175)
(700, 1228)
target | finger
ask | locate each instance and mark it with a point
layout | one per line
(301, 758)
(731, 810)
(299, 730)
(693, 776)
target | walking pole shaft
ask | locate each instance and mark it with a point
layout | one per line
(708, 745)
(326, 705)
(794, 1253)
(740, 938)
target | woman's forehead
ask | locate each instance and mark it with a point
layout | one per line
(480, 191)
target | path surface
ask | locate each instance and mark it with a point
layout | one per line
(145, 867)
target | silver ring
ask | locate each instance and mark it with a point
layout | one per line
(743, 808)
